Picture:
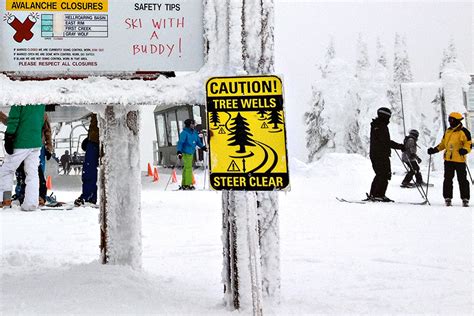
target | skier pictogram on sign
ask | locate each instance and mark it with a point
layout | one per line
(249, 151)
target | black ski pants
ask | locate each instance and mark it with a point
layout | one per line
(460, 168)
(413, 170)
(383, 173)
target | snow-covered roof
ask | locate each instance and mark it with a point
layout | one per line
(94, 92)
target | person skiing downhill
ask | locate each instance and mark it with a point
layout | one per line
(188, 140)
(380, 151)
(411, 159)
(456, 144)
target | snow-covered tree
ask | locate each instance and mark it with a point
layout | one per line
(317, 135)
(401, 74)
(371, 90)
(362, 59)
(449, 55)
(330, 55)
(331, 125)
(380, 53)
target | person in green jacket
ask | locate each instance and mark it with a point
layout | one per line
(23, 141)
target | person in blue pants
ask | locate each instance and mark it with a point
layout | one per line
(90, 165)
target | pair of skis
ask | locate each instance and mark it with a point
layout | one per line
(372, 201)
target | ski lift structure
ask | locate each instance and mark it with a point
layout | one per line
(169, 123)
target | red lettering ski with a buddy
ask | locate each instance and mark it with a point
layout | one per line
(23, 29)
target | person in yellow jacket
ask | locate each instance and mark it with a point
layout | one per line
(456, 144)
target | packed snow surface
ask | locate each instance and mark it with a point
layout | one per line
(336, 258)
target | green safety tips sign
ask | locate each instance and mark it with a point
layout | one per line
(247, 135)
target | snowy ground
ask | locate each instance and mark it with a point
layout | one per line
(337, 258)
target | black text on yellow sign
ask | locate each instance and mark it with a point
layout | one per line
(247, 142)
(58, 5)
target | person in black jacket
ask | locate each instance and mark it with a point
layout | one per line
(380, 150)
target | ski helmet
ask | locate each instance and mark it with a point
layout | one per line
(188, 122)
(384, 112)
(414, 133)
(456, 115)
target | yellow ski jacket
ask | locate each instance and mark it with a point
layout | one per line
(453, 140)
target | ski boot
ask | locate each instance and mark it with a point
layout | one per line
(6, 204)
(465, 202)
(448, 202)
(79, 201)
(406, 185)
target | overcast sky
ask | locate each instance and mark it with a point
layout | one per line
(304, 28)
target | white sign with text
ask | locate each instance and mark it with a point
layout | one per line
(95, 36)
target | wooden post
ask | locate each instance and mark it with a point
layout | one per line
(120, 185)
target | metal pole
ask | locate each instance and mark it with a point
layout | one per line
(403, 112)
(428, 178)
(469, 171)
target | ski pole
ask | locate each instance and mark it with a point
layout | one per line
(428, 177)
(419, 188)
(171, 175)
(469, 171)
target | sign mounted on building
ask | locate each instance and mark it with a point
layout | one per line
(97, 36)
(247, 135)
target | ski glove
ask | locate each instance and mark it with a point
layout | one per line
(432, 150)
(9, 138)
(462, 151)
(204, 148)
(418, 159)
(180, 155)
(47, 154)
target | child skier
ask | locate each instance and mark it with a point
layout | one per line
(411, 159)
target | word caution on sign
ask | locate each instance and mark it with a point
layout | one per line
(247, 135)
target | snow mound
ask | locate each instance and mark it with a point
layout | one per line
(84, 289)
(339, 165)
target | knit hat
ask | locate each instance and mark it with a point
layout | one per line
(188, 122)
(384, 112)
(414, 133)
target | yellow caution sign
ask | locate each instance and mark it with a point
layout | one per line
(58, 5)
(247, 135)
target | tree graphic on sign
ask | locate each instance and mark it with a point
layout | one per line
(275, 118)
(215, 118)
(240, 133)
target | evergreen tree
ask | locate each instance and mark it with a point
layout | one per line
(449, 55)
(381, 54)
(215, 118)
(362, 62)
(240, 133)
(401, 73)
(275, 118)
(330, 55)
(316, 135)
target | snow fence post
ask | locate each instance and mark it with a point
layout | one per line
(242, 268)
(120, 209)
